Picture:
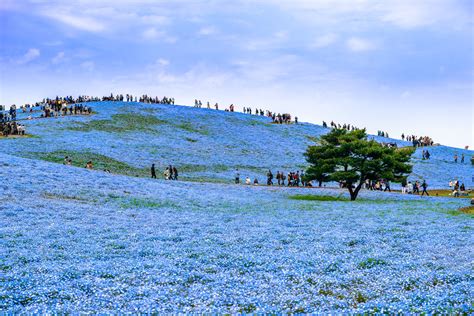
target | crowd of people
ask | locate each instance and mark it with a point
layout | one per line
(348, 127)
(382, 134)
(418, 141)
(291, 179)
(63, 109)
(414, 188)
(12, 129)
(380, 185)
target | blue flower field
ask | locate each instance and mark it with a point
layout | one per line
(87, 241)
(207, 145)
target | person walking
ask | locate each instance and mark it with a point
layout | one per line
(424, 185)
(462, 158)
(404, 186)
(387, 186)
(175, 172)
(153, 171)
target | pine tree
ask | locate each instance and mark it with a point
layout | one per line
(348, 157)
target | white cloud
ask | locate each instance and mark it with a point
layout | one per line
(357, 44)
(154, 19)
(324, 40)
(76, 21)
(58, 58)
(405, 14)
(88, 65)
(30, 55)
(207, 30)
(163, 62)
(152, 34)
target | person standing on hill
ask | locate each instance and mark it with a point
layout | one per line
(424, 185)
(269, 177)
(462, 158)
(237, 176)
(404, 185)
(175, 173)
(456, 158)
(153, 171)
(416, 188)
(387, 186)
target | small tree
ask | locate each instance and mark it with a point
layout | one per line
(347, 156)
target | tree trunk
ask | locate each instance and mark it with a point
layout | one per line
(355, 192)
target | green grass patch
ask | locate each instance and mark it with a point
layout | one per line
(370, 263)
(190, 127)
(120, 123)
(144, 203)
(57, 196)
(324, 198)
(100, 162)
(202, 168)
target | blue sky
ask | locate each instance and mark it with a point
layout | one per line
(399, 66)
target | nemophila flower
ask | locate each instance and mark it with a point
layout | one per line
(75, 240)
(204, 144)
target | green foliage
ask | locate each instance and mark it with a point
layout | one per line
(324, 198)
(370, 263)
(121, 123)
(144, 203)
(100, 162)
(188, 126)
(347, 156)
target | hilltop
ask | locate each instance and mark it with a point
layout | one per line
(206, 145)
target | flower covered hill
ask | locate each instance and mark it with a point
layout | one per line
(206, 145)
(76, 240)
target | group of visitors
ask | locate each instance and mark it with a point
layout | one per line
(284, 118)
(382, 134)
(380, 185)
(170, 173)
(198, 104)
(458, 189)
(420, 141)
(8, 116)
(153, 100)
(456, 158)
(291, 179)
(277, 118)
(414, 188)
(12, 128)
(62, 109)
(348, 127)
